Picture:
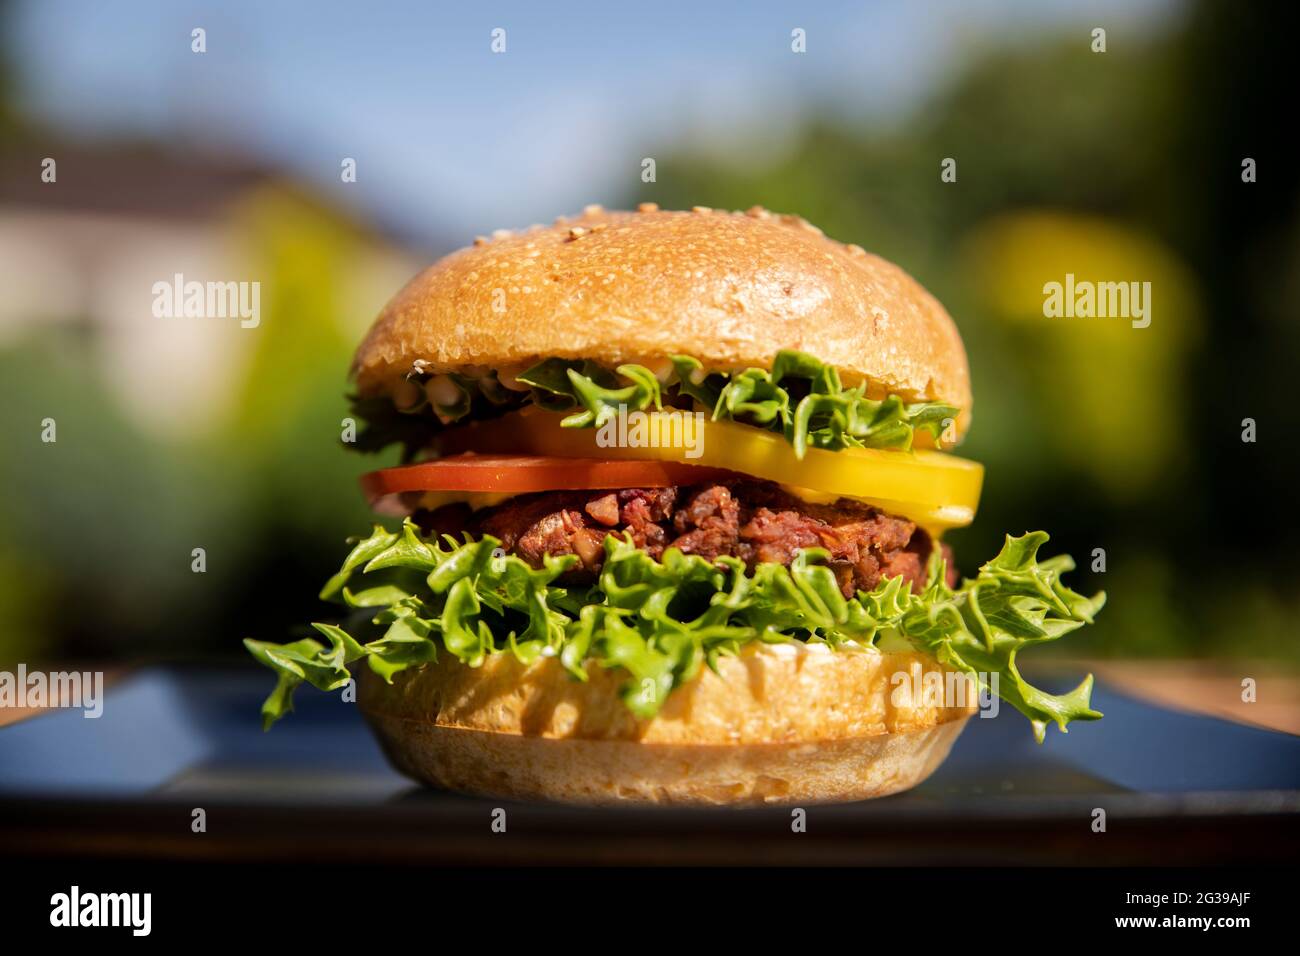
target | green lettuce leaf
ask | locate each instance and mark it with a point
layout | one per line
(804, 399)
(800, 397)
(600, 403)
(660, 621)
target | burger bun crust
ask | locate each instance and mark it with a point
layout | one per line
(731, 289)
(791, 723)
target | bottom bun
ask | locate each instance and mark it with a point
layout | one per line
(789, 723)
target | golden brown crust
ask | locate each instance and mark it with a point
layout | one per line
(729, 288)
(622, 771)
(792, 722)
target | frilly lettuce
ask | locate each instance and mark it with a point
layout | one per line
(800, 397)
(660, 621)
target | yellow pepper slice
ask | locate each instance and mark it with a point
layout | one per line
(935, 489)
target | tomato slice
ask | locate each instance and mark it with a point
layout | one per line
(519, 474)
(935, 489)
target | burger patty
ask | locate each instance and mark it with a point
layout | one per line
(753, 520)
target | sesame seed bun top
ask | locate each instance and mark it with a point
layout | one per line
(731, 289)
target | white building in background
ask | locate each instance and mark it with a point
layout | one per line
(86, 251)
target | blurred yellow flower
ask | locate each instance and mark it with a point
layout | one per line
(1107, 390)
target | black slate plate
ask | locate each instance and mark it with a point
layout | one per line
(1175, 788)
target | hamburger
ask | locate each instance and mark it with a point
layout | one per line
(668, 526)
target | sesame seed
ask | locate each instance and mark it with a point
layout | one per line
(648, 207)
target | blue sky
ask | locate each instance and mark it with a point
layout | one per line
(451, 139)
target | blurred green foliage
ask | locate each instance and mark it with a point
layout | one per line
(1121, 166)
(98, 527)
